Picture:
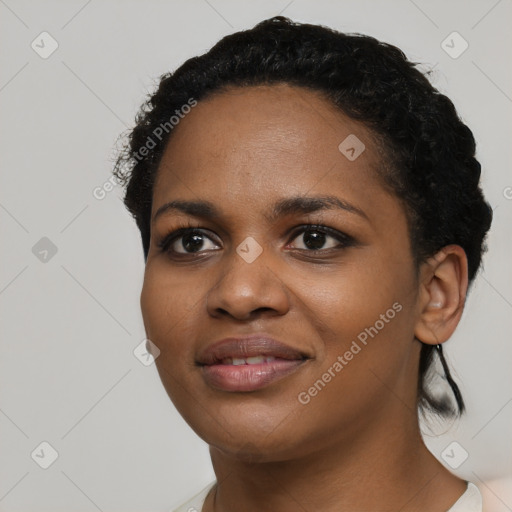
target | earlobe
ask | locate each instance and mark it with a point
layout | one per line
(444, 283)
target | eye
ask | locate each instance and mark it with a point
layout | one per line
(187, 241)
(316, 238)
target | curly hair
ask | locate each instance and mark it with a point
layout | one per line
(429, 153)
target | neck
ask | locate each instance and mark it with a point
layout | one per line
(385, 467)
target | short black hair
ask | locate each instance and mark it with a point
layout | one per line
(430, 162)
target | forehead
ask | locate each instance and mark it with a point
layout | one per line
(278, 116)
(267, 140)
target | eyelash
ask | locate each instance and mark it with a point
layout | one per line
(343, 239)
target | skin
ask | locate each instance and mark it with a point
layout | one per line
(243, 150)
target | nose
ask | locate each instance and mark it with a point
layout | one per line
(246, 291)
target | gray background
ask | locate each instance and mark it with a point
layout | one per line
(71, 320)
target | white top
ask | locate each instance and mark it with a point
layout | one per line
(470, 501)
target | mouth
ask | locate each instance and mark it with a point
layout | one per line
(249, 363)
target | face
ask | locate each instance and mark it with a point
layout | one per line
(294, 250)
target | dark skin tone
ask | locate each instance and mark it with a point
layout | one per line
(356, 445)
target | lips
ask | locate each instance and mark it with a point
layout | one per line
(248, 363)
(247, 347)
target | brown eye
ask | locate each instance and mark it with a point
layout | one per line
(187, 241)
(312, 238)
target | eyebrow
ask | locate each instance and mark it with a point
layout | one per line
(288, 206)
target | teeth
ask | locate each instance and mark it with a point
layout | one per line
(256, 360)
(235, 361)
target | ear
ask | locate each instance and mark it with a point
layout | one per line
(442, 294)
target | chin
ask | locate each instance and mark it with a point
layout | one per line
(245, 450)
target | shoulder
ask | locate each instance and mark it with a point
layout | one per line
(195, 504)
(470, 501)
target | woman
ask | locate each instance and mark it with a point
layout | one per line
(311, 217)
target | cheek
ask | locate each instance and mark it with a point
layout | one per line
(364, 313)
(169, 304)
(347, 298)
